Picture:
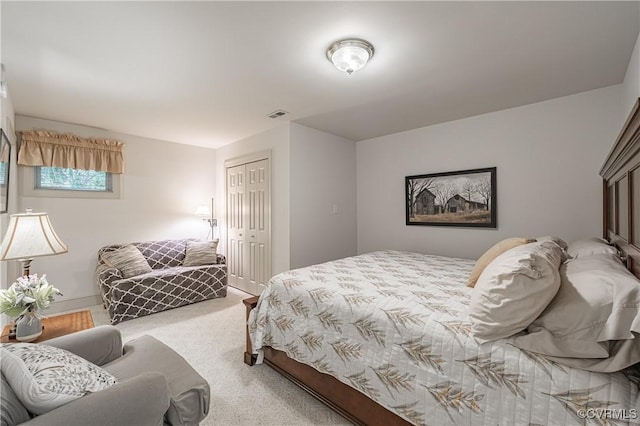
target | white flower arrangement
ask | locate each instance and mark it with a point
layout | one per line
(28, 294)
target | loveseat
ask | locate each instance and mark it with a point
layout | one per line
(154, 385)
(165, 282)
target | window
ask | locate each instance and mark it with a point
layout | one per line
(3, 173)
(69, 166)
(72, 179)
(61, 182)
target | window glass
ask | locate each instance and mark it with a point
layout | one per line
(72, 179)
(3, 172)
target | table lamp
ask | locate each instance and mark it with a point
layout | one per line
(30, 235)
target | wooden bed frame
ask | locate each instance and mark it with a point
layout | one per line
(621, 192)
(621, 226)
(346, 401)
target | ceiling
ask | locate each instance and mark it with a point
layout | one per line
(208, 73)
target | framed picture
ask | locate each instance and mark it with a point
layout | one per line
(5, 156)
(462, 198)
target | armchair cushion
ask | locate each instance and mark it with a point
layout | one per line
(140, 401)
(128, 260)
(200, 253)
(188, 391)
(45, 377)
(12, 412)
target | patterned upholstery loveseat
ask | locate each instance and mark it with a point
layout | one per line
(168, 285)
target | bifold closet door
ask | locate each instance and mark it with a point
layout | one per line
(236, 227)
(257, 254)
(248, 228)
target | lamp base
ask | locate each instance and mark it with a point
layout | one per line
(26, 266)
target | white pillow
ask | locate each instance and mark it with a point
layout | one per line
(493, 252)
(589, 247)
(596, 309)
(45, 377)
(514, 289)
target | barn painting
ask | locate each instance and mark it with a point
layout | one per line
(461, 198)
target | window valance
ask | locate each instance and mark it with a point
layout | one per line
(50, 149)
(4, 153)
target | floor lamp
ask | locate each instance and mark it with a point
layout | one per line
(30, 235)
(207, 215)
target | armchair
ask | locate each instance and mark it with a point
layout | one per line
(155, 386)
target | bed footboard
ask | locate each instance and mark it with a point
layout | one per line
(346, 401)
(249, 357)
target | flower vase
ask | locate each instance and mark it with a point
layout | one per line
(28, 327)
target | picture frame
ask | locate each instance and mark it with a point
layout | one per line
(466, 198)
(5, 163)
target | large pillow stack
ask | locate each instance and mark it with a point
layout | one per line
(584, 313)
(594, 321)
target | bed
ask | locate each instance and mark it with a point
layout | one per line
(384, 337)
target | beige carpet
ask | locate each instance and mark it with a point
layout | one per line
(211, 336)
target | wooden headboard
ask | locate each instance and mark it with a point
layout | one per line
(621, 192)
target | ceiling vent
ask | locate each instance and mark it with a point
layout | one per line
(277, 114)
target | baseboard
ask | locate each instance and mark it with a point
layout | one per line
(73, 304)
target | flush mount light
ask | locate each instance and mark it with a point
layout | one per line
(350, 55)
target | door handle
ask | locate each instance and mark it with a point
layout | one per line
(253, 236)
(240, 235)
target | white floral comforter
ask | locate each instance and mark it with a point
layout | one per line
(393, 326)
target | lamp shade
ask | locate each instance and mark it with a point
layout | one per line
(30, 235)
(203, 211)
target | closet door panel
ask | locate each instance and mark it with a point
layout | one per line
(236, 226)
(260, 218)
(249, 218)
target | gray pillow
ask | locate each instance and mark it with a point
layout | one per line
(128, 260)
(594, 320)
(201, 253)
(45, 377)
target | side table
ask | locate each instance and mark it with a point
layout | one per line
(56, 326)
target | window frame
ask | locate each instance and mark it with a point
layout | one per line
(29, 189)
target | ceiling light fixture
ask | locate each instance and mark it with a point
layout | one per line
(350, 55)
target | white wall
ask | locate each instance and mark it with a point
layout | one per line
(323, 175)
(7, 117)
(162, 186)
(276, 140)
(631, 86)
(547, 155)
